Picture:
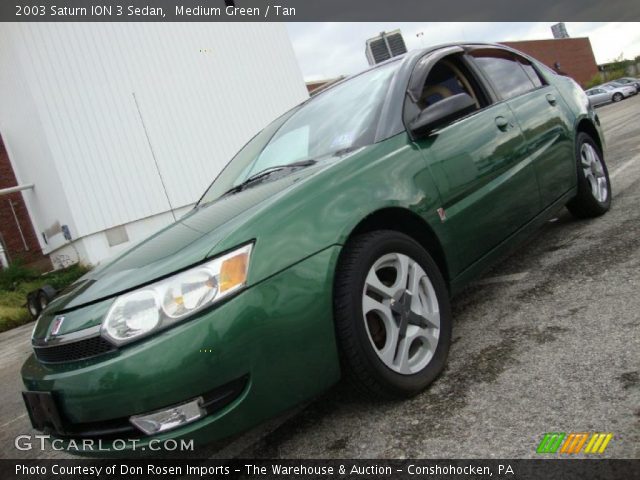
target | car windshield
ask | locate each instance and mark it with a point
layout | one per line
(342, 118)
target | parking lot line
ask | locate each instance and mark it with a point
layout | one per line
(623, 167)
(14, 420)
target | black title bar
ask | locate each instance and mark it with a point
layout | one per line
(316, 10)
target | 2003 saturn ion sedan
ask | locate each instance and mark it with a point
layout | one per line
(330, 245)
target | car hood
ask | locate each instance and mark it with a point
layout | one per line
(190, 240)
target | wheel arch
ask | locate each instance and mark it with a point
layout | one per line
(405, 221)
(587, 126)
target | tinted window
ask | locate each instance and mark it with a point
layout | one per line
(531, 72)
(503, 70)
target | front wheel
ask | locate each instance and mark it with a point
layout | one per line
(594, 187)
(617, 97)
(393, 320)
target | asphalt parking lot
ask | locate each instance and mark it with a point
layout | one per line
(549, 340)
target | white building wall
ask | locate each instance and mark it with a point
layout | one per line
(201, 91)
(25, 138)
(94, 248)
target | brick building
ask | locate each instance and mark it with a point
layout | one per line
(17, 236)
(568, 56)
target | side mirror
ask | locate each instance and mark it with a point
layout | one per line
(441, 113)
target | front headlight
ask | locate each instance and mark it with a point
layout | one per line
(161, 304)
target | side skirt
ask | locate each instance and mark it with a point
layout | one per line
(509, 245)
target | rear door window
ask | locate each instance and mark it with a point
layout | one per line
(531, 72)
(509, 77)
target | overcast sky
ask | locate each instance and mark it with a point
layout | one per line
(326, 50)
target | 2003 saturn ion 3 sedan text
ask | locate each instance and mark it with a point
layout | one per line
(330, 245)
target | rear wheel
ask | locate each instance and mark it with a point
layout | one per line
(617, 97)
(33, 305)
(392, 315)
(45, 295)
(43, 300)
(594, 187)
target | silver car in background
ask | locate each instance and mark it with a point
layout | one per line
(625, 90)
(609, 93)
(630, 81)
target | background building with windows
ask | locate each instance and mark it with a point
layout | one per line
(113, 130)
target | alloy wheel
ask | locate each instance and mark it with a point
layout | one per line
(401, 313)
(594, 172)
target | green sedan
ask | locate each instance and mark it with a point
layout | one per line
(328, 247)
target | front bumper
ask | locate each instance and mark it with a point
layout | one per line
(277, 336)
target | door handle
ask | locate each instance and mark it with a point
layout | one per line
(551, 99)
(502, 123)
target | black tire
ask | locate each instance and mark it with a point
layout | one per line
(33, 304)
(585, 204)
(360, 363)
(45, 295)
(616, 97)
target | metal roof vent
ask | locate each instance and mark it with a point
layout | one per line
(385, 46)
(559, 30)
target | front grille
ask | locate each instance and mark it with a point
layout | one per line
(73, 351)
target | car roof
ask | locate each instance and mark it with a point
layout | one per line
(391, 121)
(419, 52)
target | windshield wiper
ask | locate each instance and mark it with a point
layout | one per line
(266, 172)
